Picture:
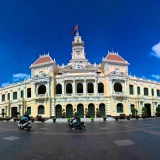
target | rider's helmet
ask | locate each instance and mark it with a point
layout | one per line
(24, 115)
(76, 113)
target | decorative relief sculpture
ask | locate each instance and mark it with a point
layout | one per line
(78, 65)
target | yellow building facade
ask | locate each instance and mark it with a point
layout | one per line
(80, 86)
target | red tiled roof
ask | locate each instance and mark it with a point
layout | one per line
(43, 60)
(115, 57)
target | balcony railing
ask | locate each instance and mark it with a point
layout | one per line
(69, 94)
(80, 94)
(101, 94)
(119, 93)
(58, 95)
(41, 96)
(90, 94)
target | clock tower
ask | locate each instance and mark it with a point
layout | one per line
(78, 48)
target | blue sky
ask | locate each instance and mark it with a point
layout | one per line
(27, 28)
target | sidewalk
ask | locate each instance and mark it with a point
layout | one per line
(86, 120)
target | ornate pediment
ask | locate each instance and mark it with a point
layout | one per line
(117, 72)
(40, 75)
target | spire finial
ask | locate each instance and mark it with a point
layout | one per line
(77, 33)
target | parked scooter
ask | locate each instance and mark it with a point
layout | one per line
(80, 126)
(26, 126)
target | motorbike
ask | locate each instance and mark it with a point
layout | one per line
(26, 126)
(80, 126)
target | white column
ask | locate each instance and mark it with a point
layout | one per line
(129, 108)
(24, 92)
(95, 87)
(141, 90)
(74, 87)
(63, 87)
(52, 110)
(11, 95)
(110, 86)
(34, 90)
(155, 92)
(84, 87)
(149, 91)
(48, 88)
(6, 110)
(139, 108)
(125, 87)
(18, 93)
(135, 89)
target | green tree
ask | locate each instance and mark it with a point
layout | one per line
(144, 112)
(158, 111)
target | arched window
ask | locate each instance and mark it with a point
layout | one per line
(100, 88)
(145, 91)
(117, 87)
(131, 89)
(58, 89)
(14, 95)
(28, 92)
(79, 88)
(69, 88)
(29, 110)
(8, 96)
(90, 88)
(119, 108)
(3, 97)
(41, 109)
(42, 89)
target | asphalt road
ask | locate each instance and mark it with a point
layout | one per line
(115, 140)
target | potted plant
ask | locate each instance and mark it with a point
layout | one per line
(92, 119)
(137, 117)
(104, 118)
(134, 112)
(157, 111)
(68, 119)
(97, 113)
(128, 117)
(86, 113)
(3, 114)
(74, 111)
(39, 117)
(144, 112)
(63, 113)
(116, 118)
(42, 120)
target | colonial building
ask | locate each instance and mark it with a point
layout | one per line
(80, 85)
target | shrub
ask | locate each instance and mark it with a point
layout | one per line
(144, 111)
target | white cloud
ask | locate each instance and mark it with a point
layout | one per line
(20, 76)
(156, 76)
(156, 50)
(5, 84)
(16, 77)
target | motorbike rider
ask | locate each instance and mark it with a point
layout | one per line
(77, 118)
(24, 120)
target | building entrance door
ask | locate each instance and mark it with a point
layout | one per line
(148, 106)
(91, 110)
(80, 110)
(102, 110)
(14, 112)
(58, 111)
(69, 111)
